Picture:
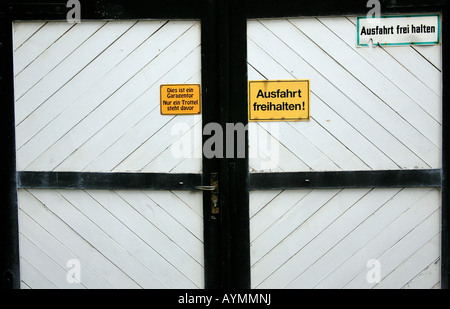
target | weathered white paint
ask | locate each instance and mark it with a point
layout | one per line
(324, 238)
(87, 99)
(123, 239)
(371, 109)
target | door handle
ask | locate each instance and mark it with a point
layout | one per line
(214, 189)
(205, 188)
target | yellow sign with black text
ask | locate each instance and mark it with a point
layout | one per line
(279, 100)
(180, 100)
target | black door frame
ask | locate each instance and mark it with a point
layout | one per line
(224, 94)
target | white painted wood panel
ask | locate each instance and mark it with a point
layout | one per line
(374, 108)
(79, 247)
(37, 43)
(51, 90)
(90, 100)
(52, 57)
(371, 109)
(123, 239)
(87, 99)
(49, 247)
(389, 92)
(326, 239)
(25, 30)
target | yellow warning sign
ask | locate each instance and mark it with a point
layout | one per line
(180, 99)
(279, 100)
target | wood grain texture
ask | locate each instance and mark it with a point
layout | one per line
(324, 238)
(371, 108)
(123, 239)
(88, 100)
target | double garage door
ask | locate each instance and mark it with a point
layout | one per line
(87, 101)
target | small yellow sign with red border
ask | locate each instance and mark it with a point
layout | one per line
(180, 99)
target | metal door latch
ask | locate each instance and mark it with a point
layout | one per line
(205, 188)
(214, 189)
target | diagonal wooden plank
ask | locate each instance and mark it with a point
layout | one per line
(339, 231)
(267, 153)
(390, 94)
(414, 265)
(64, 234)
(288, 223)
(287, 275)
(22, 31)
(432, 55)
(145, 105)
(159, 215)
(367, 229)
(58, 252)
(55, 273)
(363, 108)
(33, 279)
(65, 72)
(269, 271)
(128, 150)
(260, 199)
(102, 113)
(359, 121)
(389, 235)
(181, 148)
(181, 212)
(416, 64)
(89, 100)
(193, 199)
(53, 56)
(191, 164)
(396, 255)
(98, 238)
(162, 273)
(274, 210)
(429, 278)
(379, 59)
(161, 232)
(38, 43)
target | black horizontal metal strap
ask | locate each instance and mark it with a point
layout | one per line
(347, 179)
(107, 181)
(289, 8)
(104, 9)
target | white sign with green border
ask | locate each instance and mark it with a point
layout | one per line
(399, 30)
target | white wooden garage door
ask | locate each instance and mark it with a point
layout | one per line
(87, 100)
(371, 109)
